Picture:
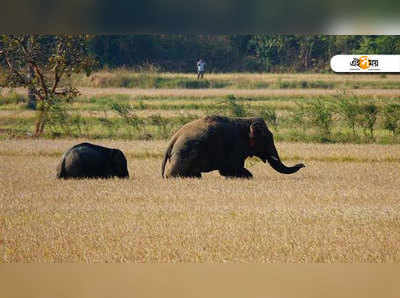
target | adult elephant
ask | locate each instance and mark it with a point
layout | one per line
(223, 144)
(87, 160)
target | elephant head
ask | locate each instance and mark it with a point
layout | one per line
(119, 164)
(261, 142)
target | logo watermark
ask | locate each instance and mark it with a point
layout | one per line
(365, 63)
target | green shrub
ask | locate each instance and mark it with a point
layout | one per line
(368, 116)
(320, 115)
(349, 109)
(299, 117)
(61, 123)
(391, 118)
(270, 116)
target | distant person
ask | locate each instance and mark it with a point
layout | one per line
(200, 68)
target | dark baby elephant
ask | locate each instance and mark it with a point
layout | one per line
(92, 161)
(223, 144)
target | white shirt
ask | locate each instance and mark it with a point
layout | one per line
(200, 65)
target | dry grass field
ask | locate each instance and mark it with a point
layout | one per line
(343, 207)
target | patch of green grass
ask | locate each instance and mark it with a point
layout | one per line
(130, 79)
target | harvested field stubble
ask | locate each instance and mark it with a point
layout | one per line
(343, 207)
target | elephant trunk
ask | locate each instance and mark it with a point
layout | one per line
(276, 163)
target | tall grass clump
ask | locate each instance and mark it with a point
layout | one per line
(349, 109)
(391, 118)
(234, 108)
(270, 116)
(368, 117)
(161, 123)
(299, 116)
(320, 115)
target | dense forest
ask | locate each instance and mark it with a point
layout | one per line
(224, 53)
(235, 53)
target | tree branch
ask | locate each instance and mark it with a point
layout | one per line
(41, 77)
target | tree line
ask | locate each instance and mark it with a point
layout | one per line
(227, 53)
(235, 53)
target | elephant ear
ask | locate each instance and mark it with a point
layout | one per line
(257, 130)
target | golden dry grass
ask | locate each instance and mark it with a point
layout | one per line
(331, 211)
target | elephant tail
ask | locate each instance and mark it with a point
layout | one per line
(61, 169)
(167, 155)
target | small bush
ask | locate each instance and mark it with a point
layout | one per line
(391, 118)
(299, 117)
(349, 109)
(61, 123)
(320, 115)
(368, 118)
(270, 116)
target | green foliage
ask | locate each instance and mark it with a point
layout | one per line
(235, 53)
(320, 115)
(368, 118)
(61, 123)
(270, 116)
(392, 118)
(349, 109)
(299, 116)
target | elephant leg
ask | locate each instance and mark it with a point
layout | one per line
(192, 175)
(181, 168)
(236, 173)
